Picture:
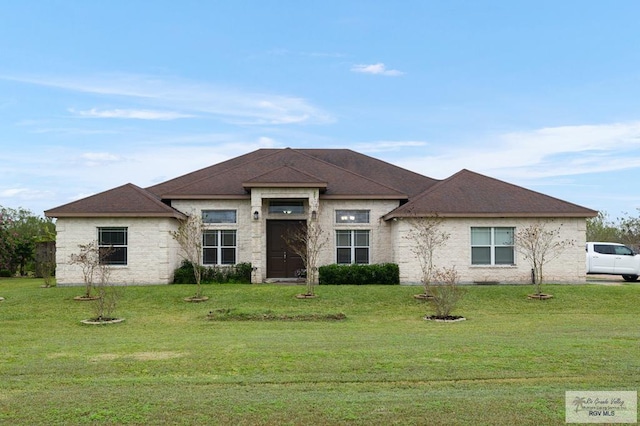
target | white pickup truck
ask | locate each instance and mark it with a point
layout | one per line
(613, 259)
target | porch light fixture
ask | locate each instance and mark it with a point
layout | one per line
(256, 215)
(314, 215)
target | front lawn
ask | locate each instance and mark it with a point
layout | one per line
(169, 363)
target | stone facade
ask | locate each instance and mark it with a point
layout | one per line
(152, 254)
(456, 252)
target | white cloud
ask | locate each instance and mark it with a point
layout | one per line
(189, 97)
(139, 114)
(15, 197)
(541, 153)
(12, 192)
(378, 69)
(94, 159)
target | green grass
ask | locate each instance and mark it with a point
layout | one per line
(168, 363)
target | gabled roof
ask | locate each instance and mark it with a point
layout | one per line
(228, 181)
(470, 194)
(127, 200)
(285, 176)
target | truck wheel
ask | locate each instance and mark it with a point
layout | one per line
(630, 277)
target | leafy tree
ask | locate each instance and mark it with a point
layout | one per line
(6, 245)
(21, 230)
(629, 230)
(539, 245)
(601, 228)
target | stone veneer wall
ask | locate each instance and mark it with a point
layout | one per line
(380, 238)
(568, 268)
(152, 253)
(243, 217)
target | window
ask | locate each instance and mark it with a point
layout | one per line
(352, 247)
(603, 249)
(112, 244)
(352, 216)
(219, 247)
(286, 207)
(613, 249)
(492, 246)
(219, 216)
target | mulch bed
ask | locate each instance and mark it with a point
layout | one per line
(86, 298)
(196, 299)
(450, 318)
(540, 296)
(102, 321)
(231, 315)
(306, 296)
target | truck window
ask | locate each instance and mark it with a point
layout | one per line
(623, 250)
(603, 249)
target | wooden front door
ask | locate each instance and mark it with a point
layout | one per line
(282, 261)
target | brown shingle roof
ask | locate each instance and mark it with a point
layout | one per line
(127, 200)
(339, 173)
(403, 180)
(170, 185)
(285, 176)
(228, 181)
(469, 194)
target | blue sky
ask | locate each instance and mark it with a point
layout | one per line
(543, 94)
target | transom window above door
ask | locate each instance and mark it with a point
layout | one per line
(286, 207)
(352, 216)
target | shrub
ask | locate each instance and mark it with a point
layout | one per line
(382, 273)
(446, 292)
(5, 273)
(240, 274)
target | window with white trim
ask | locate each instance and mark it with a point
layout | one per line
(219, 247)
(219, 216)
(492, 246)
(112, 245)
(352, 216)
(352, 246)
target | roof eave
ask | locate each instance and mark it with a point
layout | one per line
(174, 197)
(393, 215)
(363, 197)
(176, 215)
(249, 185)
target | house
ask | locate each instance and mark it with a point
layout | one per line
(364, 206)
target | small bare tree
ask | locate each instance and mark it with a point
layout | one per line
(539, 244)
(307, 242)
(446, 291)
(189, 236)
(427, 236)
(88, 258)
(96, 272)
(107, 293)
